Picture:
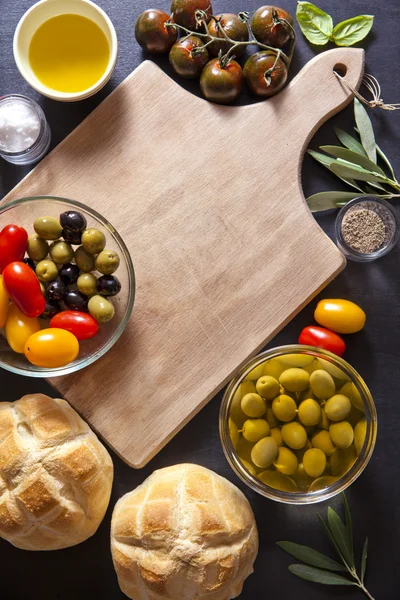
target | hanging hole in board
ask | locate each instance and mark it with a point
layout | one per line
(340, 69)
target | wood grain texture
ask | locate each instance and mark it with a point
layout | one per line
(209, 202)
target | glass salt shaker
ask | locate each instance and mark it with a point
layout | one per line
(24, 132)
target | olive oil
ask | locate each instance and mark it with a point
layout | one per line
(69, 53)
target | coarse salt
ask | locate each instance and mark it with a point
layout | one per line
(19, 126)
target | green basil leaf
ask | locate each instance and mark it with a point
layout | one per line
(353, 30)
(353, 157)
(327, 200)
(319, 576)
(365, 128)
(339, 532)
(355, 172)
(349, 526)
(364, 560)
(386, 161)
(351, 143)
(311, 556)
(316, 25)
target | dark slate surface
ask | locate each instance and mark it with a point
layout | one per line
(86, 571)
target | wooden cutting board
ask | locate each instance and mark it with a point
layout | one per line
(209, 202)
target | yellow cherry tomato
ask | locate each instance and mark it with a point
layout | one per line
(19, 328)
(3, 303)
(51, 348)
(341, 316)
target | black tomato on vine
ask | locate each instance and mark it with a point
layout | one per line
(184, 11)
(268, 30)
(221, 83)
(262, 77)
(151, 31)
(233, 27)
(188, 57)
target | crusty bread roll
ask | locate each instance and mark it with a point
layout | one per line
(185, 533)
(55, 475)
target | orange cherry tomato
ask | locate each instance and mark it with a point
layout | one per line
(4, 302)
(19, 328)
(51, 348)
(341, 316)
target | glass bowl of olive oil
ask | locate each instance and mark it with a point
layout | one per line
(65, 49)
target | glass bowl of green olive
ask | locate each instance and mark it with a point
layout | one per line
(298, 424)
(77, 279)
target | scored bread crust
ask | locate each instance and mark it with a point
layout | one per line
(55, 475)
(185, 533)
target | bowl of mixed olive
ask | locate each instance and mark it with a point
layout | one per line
(67, 286)
(298, 424)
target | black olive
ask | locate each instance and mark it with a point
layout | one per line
(69, 273)
(72, 237)
(108, 285)
(51, 309)
(56, 290)
(30, 263)
(72, 220)
(75, 301)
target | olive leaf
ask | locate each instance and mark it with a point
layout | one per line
(364, 560)
(339, 532)
(366, 130)
(354, 171)
(385, 160)
(350, 142)
(327, 200)
(327, 161)
(316, 25)
(311, 557)
(349, 526)
(353, 157)
(319, 576)
(353, 30)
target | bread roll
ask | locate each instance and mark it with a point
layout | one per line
(55, 475)
(184, 533)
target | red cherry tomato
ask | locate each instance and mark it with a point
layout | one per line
(82, 325)
(13, 241)
(322, 338)
(23, 288)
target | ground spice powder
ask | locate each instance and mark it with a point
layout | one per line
(363, 230)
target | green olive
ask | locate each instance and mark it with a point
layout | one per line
(350, 390)
(323, 422)
(253, 405)
(256, 373)
(87, 284)
(233, 432)
(249, 467)
(84, 260)
(276, 434)
(322, 384)
(274, 368)
(314, 366)
(341, 461)
(271, 418)
(101, 309)
(314, 462)
(278, 481)
(61, 252)
(48, 228)
(46, 270)
(294, 379)
(360, 431)
(268, 387)
(296, 360)
(309, 412)
(321, 483)
(93, 240)
(302, 479)
(294, 435)
(264, 452)
(342, 434)
(322, 440)
(284, 408)
(37, 248)
(286, 462)
(107, 262)
(243, 449)
(254, 430)
(333, 370)
(337, 407)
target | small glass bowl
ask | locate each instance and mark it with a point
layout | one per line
(299, 497)
(391, 221)
(23, 212)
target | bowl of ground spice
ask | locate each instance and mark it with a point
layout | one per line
(367, 228)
